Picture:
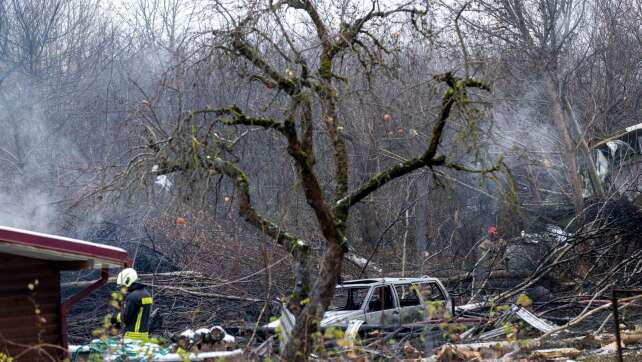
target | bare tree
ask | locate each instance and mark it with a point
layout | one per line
(299, 64)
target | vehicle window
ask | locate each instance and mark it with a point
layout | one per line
(407, 294)
(349, 298)
(431, 292)
(381, 299)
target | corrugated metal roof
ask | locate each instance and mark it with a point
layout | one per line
(632, 130)
(60, 248)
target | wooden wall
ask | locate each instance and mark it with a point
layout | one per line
(19, 324)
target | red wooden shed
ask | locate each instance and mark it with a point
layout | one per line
(31, 309)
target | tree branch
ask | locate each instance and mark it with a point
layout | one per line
(300, 152)
(304, 161)
(456, 90)
(294, 245)
(284, 83)
(240, 118)
(382, 178)
(459, 167)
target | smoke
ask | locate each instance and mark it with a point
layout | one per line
(522, 126)
(525, 135)
(32, 210)
(64, 122)
(31, 153)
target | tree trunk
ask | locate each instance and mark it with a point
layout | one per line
(421, 219)
(570, 159)
(596, 184)
(569, 154)
(302, 339)
(368, 227)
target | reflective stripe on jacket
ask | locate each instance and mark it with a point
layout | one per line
(136, 311)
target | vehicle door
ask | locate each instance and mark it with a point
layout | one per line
(347, 304)
(434, 301)
(382, 307)
(410, 307)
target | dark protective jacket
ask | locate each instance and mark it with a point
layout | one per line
(136, 312)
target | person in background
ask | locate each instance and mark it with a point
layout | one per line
(493, 250)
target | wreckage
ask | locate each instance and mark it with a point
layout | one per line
(396, 305)
(520, 329)
(202, 344)
(386, 302)
(365, 306)
(617, 163)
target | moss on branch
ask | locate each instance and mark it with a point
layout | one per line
(239, 118)
(456, 92)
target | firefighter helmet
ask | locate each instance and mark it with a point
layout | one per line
(126, 277)
(492, 231)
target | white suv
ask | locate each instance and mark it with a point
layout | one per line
(382, 302)
(388, 302)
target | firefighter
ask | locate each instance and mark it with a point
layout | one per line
(489, 243)
(494, 249)
(135, 312)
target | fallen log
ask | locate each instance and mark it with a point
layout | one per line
(499, 274)
(548, 354)
(479, 351)
(84, 284)
(627, 337)
(235, 355)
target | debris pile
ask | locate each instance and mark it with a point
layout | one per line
(516, 333)
(193, 345)
(504, 325)
(203, 340)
